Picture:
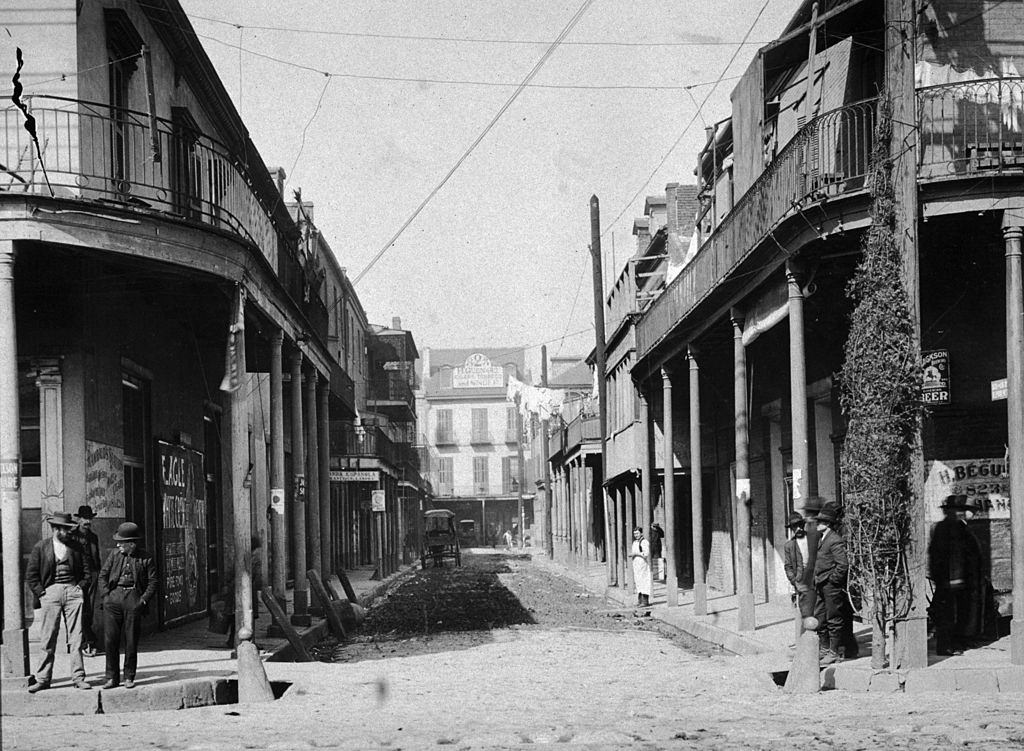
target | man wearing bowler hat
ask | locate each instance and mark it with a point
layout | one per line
(830, 569)
(58, 574)
(128, 582)
(91, 545)
(794, 556)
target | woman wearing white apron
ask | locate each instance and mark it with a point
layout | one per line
(641, 555)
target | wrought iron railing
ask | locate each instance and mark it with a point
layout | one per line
(971, 127)
(96, 152)
(828, 157)
(391, 386)
(964, 129)
(364, 439)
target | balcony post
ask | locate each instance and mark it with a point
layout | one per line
(1012, 234)
(278, 527)
(15, 652)
(646, 464)
(326, 517)
(669, 543)
(744, 571)
(797, 383)
(300, 596)
(700, 587)
(313, 553)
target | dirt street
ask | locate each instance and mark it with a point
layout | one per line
(505, 655)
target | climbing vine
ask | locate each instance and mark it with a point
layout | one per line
(881, 398)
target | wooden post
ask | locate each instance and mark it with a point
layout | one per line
(327, 553)
(313, 551)
(15, 650)
(1013, 231)
(545, 427)
(300, 602)
(700, 587)
(316, 585)
(241, 469)
(599, 359)
(744, 572)
(669, 543)
(278, 528)
(301, 653)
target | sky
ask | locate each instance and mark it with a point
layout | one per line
(499, 255)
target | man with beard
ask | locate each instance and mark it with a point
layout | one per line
(91, 546)
(58, 574)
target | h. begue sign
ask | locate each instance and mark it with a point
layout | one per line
(984, 481)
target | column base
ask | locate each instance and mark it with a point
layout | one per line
(300, 601)
(700, 599)
(1017, 641)
(745, 620)
(14, 655)
(301, 619)
(671, 590)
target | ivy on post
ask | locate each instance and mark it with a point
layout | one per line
(881, 398)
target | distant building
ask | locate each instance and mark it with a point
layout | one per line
(472, 437)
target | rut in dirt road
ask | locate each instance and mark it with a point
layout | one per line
(437, 609)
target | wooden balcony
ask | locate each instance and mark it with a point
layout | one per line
(966, 130)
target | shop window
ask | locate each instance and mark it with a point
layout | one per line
(28, 415)
(135, 434)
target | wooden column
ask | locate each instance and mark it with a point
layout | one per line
(15, 654)
(238, 415)
(1012, 235)
(744, 571)
(326, 516)
(669, 543)
(278, 525)
(313, 552)
(646, 465)
(700, 587)
(300, 595)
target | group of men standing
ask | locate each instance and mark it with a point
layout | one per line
(69, 585)
(954, 568)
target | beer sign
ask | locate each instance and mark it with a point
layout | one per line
(935, 388)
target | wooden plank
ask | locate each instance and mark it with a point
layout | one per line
(320, 592)
(351, 593)
(301, 653)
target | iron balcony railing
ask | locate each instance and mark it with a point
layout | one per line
(363, 440)
(829, 156)
(391, 386)
(969, 128)
(122, 158)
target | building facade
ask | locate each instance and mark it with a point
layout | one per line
(177, 339)
(746, 341)
(474, 439)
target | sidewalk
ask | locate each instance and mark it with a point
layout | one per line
(183, 667)
(986, 670)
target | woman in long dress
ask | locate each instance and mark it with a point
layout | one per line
(640, 553)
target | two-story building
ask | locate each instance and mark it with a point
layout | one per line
(758, 316)
(148, 257)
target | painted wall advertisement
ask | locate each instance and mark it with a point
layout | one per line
(477, 372)
(182, 489)
(985, 482)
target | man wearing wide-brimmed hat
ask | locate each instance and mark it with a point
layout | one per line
(794, 555)
(954, 566)
(831, 567)
(58, 574)
(128, 582)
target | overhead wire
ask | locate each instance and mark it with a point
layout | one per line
(487, 129)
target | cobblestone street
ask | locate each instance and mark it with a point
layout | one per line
(582, 674)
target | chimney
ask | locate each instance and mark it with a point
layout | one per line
(279, 177)
(671, 208)
(396, 323)
(642, 230)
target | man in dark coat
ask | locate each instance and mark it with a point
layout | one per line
(794, 555)
(657, 549)
(830, 569)
(90, 605)
(58, 574)
(128, 582)
(954, 566)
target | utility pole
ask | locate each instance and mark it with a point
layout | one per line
(522, 477)
(611, 554)
(545, 424)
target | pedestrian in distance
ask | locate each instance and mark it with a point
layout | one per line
(508, 539)
(640, 555)
(830, 570)
(90, 604)
(954, 566)
(794, 556)
(128, 581)
(657, 547)
(58, 575)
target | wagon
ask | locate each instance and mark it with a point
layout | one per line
(440, 539)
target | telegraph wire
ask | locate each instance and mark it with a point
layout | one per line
(487, 129)
(462, 82)
(692, 119)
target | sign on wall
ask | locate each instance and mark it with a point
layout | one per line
(355, 475)
(985, 482)
(104, 479)
(935, 387)
(478, 373)
(377, 502)
(182, 489)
